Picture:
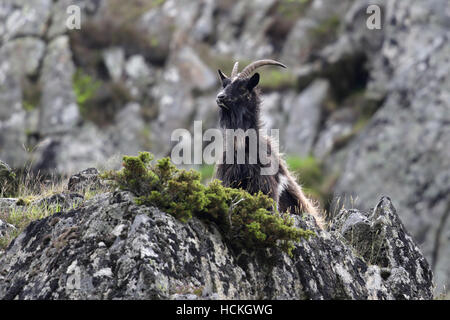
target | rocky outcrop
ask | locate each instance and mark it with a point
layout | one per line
(110, 248)
(404, 151)
(155, 68)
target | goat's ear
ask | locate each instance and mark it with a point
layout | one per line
(253, 82)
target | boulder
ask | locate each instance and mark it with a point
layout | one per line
(84, 180)
(110, 248)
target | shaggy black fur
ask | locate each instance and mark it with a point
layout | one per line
(239, 104)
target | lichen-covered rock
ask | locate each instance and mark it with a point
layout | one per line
(392, 249)
(60, 200)
(5, 227)
(84, 180)
(404, 150)
(110, 248)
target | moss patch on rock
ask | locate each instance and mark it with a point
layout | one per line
(246, 221)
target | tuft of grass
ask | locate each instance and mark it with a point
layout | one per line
(246, 221)
(206, 172)
(21, 215)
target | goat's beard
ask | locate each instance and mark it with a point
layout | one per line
(222, 105)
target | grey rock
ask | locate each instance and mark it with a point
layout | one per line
(272, 114)
(140, 76)
(114, 59)
(136, 68)
(12, 115)
(59, 112)
(61, 201)
(129, 133)
(175, 104)
(404, 150)
(5, 228)
(7, 203)
(392, 249)
(192, 71)
(158, 25)
(207, 111)
(84, 180)
(304, 39)
(204, 27)
(71, 153)
(246, 40)
(13, 140)
(22, 17)
(337, 127)
(109, 248)
(24, 55)
(304, 118)
(59, 16)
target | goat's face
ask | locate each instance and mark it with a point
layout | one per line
(236, 93)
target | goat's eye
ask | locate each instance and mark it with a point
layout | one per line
(225, 83)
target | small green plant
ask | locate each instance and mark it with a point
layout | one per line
(85, 88)
(247, 221)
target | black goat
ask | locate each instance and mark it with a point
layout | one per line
(239, 104)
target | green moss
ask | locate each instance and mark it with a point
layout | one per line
(291, 9)
(246, 220)
(275, 79)
(85, 88)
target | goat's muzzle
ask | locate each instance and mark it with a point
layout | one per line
(220, 99)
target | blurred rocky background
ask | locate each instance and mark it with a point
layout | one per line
(362, 113)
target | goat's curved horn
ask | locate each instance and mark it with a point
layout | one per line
(256, 64)
(235, 70)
